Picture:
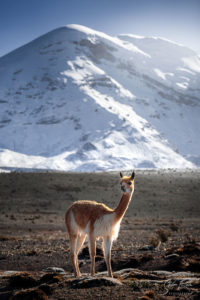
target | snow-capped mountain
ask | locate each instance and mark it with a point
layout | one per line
(80, 100)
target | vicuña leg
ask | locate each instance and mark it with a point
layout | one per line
(79, 244)
(107, 244)
(92, 253)
(73, 244)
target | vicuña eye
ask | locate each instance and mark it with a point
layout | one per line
(129, 183)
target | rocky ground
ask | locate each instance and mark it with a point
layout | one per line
(156, 256)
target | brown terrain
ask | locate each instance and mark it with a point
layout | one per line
(156, 256)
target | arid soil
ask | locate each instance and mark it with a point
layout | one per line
(156, 256)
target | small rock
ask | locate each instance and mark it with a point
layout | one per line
(173, 255)
(162, 273)
(88, 282)
(55, 270)
(147, 248)
(183, 274)
(8, 273)
(125, 271)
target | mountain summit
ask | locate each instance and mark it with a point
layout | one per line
(80, 100)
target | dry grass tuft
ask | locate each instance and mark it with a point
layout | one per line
(145, 298)
(174, 227)
(29, 294)
(22, 280)
(151, 294)
(154, 241)
(51, 278)
(118, 276)
(163, 235)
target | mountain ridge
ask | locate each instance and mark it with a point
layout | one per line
(78, 99)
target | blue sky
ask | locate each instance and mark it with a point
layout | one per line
(23, 20)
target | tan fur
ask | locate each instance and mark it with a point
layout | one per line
(90, 218)
(122, 206)
(85, 212)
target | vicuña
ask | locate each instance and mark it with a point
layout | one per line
(95, 220)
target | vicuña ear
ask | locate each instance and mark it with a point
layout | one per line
(133, 175)
(121, 174)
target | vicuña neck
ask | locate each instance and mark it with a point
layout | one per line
(123, 205)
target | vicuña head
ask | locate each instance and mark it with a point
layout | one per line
(90, 218)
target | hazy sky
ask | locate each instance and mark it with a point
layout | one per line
(23, 20)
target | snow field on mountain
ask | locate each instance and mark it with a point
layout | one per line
(79, 100)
